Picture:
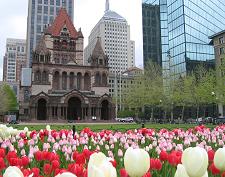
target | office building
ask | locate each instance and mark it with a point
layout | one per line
(14, 59)
(114, 32)
(151, 32)
(185, 28)
(41, 13)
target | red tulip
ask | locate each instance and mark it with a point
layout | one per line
(211, 154)
(55, 164)
(38, 156)
(2, 152)
(213, 169)
(163, 155)
(25, 161)
(35, 172)
(47, 169)
(123, 173)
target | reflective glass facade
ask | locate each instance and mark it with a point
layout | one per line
(185, 28)
(151, 33)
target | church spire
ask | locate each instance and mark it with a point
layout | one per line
(106, 5)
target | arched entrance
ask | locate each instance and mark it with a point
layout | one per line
(42, 109)
(105, 110)
(74, 109)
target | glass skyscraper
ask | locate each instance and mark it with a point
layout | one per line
(151, 32)
(185, 29)
(40, 14)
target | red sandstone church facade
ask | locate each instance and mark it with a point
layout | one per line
(62, 87)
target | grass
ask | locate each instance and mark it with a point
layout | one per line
(99, 127)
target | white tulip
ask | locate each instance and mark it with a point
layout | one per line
(181, 172)
(99, 166)
(136, 162)
(13, 171)
(219, 159)
(48, 127)
(66, 174)
(195, 161)
(25, 129)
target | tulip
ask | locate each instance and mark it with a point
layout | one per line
(195, 161)
(136, 162)
(219, 159)
(99, 166)
(66, 174)
(13, 171)
(181, 172)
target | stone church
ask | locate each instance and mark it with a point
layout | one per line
(63, 88)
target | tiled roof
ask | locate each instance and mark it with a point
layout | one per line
(60, 21)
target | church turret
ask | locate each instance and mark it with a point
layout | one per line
(98, 57)
(41, 54)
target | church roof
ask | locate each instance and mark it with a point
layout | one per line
(62, 19)
(41, 46)
(111, 15)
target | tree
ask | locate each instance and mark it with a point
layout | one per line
(11, 103)
(3, 101)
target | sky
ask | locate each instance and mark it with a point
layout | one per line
(87, 13)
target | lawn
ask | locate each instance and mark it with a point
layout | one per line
(99, 127)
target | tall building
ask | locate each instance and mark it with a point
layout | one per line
(41, 13)
(114, 32)
(14, 59)
(185, 28)
(151, 32)
(63, 88)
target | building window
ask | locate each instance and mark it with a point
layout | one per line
(45, 1)
(221, 50)
(39, 10)
(52, 2)
(51, 10)
(58, 2)
(221, 39)
(45, 9)
(45, 19)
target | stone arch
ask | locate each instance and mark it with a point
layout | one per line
(74, 110)
(64, 80)
(44, 76)
(79, 81)
(104, 79)
(56, 80)
(42, 109)
(72, 78)
(105, 110)
(37, 76)
(97, 79)
(87, 81)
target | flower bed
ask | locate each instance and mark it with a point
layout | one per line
(50, 152)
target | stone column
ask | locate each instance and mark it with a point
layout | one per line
(97, 113)
(59, 112)
(89, 114)
(65, 109)
(68, 82)
(50, 113)
(75, 82)
(60, 81)
(82, 83)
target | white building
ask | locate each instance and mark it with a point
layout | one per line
(14, 59)
(114, 32)
(40, 14)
